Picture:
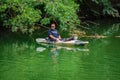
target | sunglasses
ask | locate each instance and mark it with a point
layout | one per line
(52, 26)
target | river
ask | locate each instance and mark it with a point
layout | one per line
(22, 59)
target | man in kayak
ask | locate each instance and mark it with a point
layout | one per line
(53, 34)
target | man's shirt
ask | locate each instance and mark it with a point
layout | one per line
(53, 33)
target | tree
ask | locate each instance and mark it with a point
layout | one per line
(24, 14)
(19, 14)
(99, 8)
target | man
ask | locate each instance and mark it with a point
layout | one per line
(53, 33)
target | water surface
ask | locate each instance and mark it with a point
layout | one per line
(21, 59)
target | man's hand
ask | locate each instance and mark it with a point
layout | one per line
(57, 39)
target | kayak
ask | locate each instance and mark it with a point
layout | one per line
(70, 42)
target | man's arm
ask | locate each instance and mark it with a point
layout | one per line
(51, 36)
(57, 39)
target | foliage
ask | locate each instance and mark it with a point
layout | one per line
(19, 14)
(23, 15)
(107, 8)
(62, 11)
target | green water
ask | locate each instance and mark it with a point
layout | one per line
(99, 60)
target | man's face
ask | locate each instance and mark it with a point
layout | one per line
(52, 26)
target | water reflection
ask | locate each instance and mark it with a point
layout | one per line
(55, 50)
(40, 49)
(61, 62)
(112, 30)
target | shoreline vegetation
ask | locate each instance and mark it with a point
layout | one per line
(31, 15)
(109, 32)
